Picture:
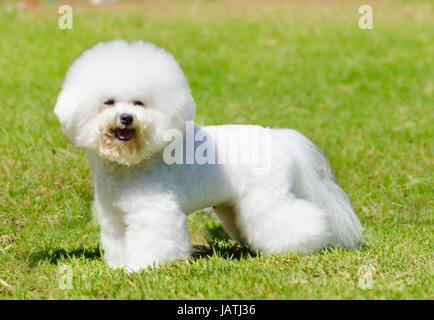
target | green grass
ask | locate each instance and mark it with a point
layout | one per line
(365, 97)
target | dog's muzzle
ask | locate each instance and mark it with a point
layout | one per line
(124, 133)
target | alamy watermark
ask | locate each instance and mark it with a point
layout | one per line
(366, 277)
(249, 145)
(66, 19)
(366, 21)
(64, 274)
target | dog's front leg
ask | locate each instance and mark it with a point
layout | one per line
(155, 236)
(112, 233)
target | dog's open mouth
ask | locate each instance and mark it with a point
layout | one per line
(123, 134)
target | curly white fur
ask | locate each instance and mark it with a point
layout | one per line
(141, 201)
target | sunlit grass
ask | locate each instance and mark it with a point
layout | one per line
(365, 97)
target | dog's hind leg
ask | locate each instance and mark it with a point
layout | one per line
(285, 224)
(227, 216)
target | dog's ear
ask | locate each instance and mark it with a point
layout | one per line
(73, 120)
(64, 111)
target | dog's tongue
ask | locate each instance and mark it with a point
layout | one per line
(124, 134)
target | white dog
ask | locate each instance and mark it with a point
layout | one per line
(123, 102)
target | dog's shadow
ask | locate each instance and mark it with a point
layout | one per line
(54, 255)
(219, 245)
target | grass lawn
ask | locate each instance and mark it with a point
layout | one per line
(364, 96)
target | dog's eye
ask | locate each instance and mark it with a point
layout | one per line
(138, 103)
(110, 102)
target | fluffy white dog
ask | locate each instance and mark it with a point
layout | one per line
(129, 106)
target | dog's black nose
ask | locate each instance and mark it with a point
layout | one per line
(126, 119)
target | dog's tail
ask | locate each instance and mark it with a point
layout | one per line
(316, 182)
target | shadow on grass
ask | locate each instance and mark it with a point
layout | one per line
(223, 250)
(52, 256)
(221, 246)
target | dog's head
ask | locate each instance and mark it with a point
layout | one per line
(119, 98)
